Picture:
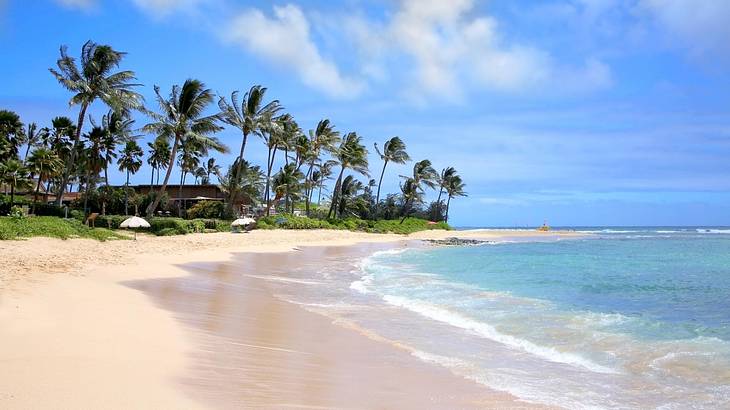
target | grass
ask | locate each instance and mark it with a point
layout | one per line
(410, 225)
(52, 227)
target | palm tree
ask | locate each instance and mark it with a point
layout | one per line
(12, 133)
(93, 80)
(443, 180)
(351, 154)
(454, 188)
(130, 162)
(92, 160)
(275, 136)
(250, 115)
(159, 157)
(394, 150)
(182, 120)
(15, 175)
(241, 180)
(349, 198)
(33, 136)
(210, 168)
(287, 183)
(323, 138)
(423, 174)
(44, 163)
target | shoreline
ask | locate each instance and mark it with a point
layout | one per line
(81, 322)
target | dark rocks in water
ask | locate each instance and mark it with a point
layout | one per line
(454, 241)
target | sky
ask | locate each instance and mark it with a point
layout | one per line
(578, 112)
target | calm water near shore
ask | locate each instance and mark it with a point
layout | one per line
(626, 318)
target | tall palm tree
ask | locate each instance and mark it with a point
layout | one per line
(454, 188)
(181, 119)
(250, 115)
(130, 162)
(275, 137)
(322, 139)
(94, 79)
(15, 175)
(349, 198)
(351, 154)
(411, 194)
(158, 158)
(44, 163)
(12, 134)
(394, 150)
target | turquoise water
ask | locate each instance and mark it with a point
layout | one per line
(629, 318)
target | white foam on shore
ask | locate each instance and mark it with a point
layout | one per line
(487, 331)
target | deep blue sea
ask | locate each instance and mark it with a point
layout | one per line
(623, 318)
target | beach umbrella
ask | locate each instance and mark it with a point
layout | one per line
(134, 222)
(243, 222)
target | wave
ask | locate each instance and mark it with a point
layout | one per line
(703, 230)
(487, 331)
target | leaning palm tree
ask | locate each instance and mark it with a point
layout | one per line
(250, 115)
(351, 154)
(33, 137)
(181, 119)
(158, 158)
(275, 137)
(412, 194)
(130, 162)
(44, 163)
(412, 188)
(14, 175)
(94, 79)
(210, 167)
(394, 150)
(443, 181)
(454, 188)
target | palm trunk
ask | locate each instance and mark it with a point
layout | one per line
(448, 202)
(179, 194)
(12, 195)
(72, 156)
(268, 179)
(152, 178)
(86, 192)
(152, 206)
(126, 195)
(37, 189)
(380, 182)
(405, 211)
(308, 188)
(243, 146)
(336, 193)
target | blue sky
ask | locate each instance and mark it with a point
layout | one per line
(581, 112)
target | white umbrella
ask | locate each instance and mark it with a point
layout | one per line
(243, 221)
(134, 222)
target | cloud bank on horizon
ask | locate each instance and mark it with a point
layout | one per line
(573, 109)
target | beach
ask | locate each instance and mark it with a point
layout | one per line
(123, 324)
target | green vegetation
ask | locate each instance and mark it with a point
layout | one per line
(38, 163)
(410, 225)
(52, 227)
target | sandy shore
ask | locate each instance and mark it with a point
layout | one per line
(85, 324)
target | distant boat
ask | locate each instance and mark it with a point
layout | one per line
(544, 228)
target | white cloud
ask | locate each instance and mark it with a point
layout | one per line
(454, 50)
(285, 39)
(701, 26)
(162, 8)
(78, 4)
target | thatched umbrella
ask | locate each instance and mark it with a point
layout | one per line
(134, 222)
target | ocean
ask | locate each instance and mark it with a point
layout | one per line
(629, 318)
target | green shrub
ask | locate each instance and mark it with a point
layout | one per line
(110, 221)
(206, 209)
(167, 232)
(178, 225)
(53, 227)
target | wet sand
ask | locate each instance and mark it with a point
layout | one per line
(256, 350)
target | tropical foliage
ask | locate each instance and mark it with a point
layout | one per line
(318, 172)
